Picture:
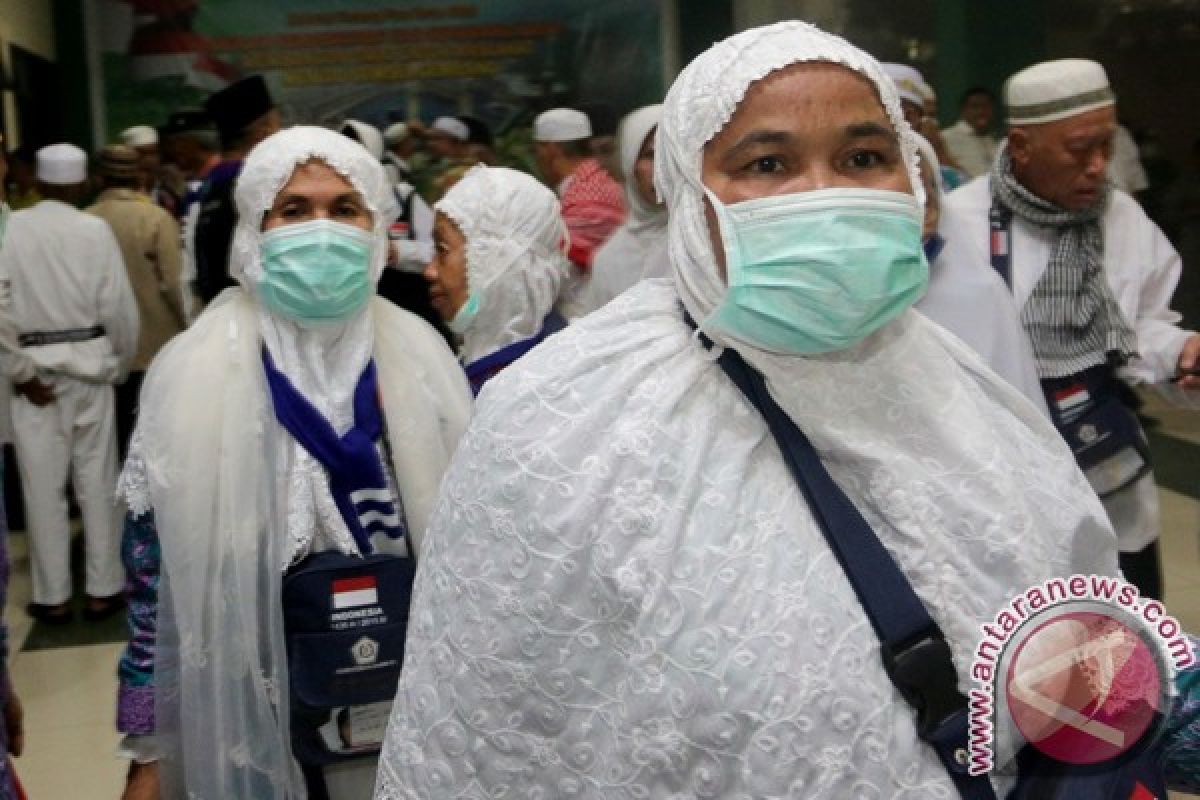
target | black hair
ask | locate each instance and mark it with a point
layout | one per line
(977, 90)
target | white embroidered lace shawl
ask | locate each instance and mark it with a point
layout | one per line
(516, 246)
(638, 249)
(224, 480)
(624, 594)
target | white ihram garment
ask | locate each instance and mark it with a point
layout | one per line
(65, 272)
(972, 303)
(624, 593)
(1142, 268)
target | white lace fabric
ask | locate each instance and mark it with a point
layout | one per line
(236, 499)
(516, 262)
(624, 593)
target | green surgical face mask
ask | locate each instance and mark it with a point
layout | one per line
(316, 272)
(818, 271)
(466, 315)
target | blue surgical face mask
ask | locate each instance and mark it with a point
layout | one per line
(818, 271)
(466, 315)
(317, 271)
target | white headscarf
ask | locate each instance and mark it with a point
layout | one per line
(630, 138)
(698, 106)
(368, 136)
(516, 241)
(929, 156)
(638, 249)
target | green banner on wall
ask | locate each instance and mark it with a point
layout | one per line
(380, 60)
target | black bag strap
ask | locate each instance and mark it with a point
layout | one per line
(914, 649)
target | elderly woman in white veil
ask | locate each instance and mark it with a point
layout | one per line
(624, 592)
(638, 249)
(296, 401)
(499, 260)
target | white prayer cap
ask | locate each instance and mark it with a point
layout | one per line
(62, 164)
(396, 132)
(561, 125)
(909, 82)
(139, 136)
(451, 126)
(1055, 90)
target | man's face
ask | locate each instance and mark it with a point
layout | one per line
(978, 111)
(809, 126)
(441, 144)
(1065, 161)
(543, 157)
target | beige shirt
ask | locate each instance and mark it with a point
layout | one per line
(150, 245)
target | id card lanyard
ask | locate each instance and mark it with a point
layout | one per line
(1000, 221)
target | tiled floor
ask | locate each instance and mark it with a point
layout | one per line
(68, 692)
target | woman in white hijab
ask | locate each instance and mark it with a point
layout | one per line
(638, 249)
(973, 304)
(624, 593)
(219, 479)
(498, 263)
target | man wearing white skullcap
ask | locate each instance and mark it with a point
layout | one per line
(624, 592)
(144, 140)
(401, 144)
(592, 203)
(1091, 278)
(970, 141)
(446, 141)
(915, 95)
(70, 301)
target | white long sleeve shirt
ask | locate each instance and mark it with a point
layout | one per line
(1142, 268)
(64, 271)
(1139, 262)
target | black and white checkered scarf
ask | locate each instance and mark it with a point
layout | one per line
(1071, 316)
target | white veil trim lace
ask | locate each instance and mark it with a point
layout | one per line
(516, 262)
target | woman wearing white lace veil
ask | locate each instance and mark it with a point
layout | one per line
(219, 480)
(624, 593)
(638, 249)
(499, 259)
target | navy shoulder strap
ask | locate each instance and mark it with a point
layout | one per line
(914, 649)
